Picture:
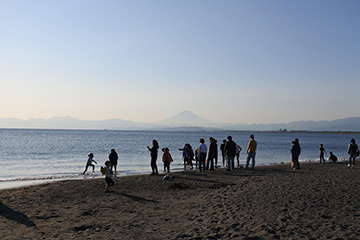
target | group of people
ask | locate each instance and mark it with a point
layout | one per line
(205, 156)
(109, 170)
(353, 151)
(229, 150)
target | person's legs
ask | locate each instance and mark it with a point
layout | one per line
(231, 162)
(154, 166)
(228, 162)
(202, 161)
(248, 160)
(296, 162)
(86, 168)
(253, 160)
(189, 160)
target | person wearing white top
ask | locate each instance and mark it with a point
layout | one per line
(202, 154)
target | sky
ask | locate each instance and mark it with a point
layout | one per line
(229, 61)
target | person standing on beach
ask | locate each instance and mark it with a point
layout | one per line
(238, 150)
(89, 163)
(113, 158)
(295, 153)
(213, 151)
(154, 155)
(230, 150)
(353, 151)
(216, 155)
(202, 154)
(322, 153)
(167, 159)
(188, 154)
(108, 175)
(222, 149)
(251, 151)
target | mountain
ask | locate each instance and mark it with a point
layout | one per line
(351, 124)
(72, 123)
(186, 119)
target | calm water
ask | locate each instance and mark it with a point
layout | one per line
(60, 154)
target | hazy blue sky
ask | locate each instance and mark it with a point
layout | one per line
(255, 61)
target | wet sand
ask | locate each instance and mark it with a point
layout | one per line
(321, 201)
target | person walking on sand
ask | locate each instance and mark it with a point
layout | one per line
(295, 153)
(213, 151)
(89, 163)
(167, 159)
(108, 175)
(202, 154)
(113, 158)
(230, 150)
(353, 151)
(322, 153)
(251, 151)
(237, 153)
(223, 154)
(154, 155)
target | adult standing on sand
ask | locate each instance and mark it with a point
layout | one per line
(230, 149)
(222, 149)
(353, 151)
(295, 153)
(251, 151)
(213, 151)
(154, 155)
(322, 153)
(113, 158)
(202, 154)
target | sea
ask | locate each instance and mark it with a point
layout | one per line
(31, 156)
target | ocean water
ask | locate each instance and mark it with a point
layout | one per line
(38, 155)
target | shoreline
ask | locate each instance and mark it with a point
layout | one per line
(320, 201)
(18, 183)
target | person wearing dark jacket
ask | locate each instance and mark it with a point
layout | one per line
(154, 155)
(113, 158)
(188, 154)
(295, 153)
(353, 151)
(213, 152)
(230, 150)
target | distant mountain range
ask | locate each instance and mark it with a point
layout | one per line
(184, 121)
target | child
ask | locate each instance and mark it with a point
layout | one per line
(167, 159)
(108, 175)
(89, 162)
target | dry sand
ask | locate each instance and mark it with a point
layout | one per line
(321, 201)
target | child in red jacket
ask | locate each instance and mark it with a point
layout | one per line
(167, 159)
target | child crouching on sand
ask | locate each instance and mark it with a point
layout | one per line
(89, 162)
(108, 175)
(167, 159)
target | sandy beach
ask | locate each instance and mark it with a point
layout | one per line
(321, 201)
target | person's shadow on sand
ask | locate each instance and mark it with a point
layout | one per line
(136, 198)
(13, 215)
